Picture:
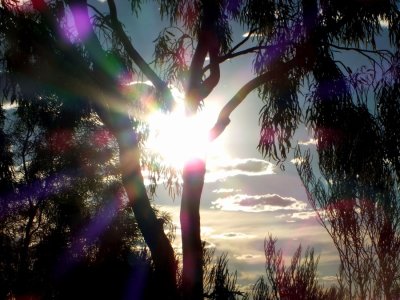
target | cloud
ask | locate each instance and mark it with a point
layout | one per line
(329, 278)
(301, 215)
(311, 141)
(304, 215)
(297, 160)
(242, 235)
(206, 230)
(258, 203)
(225, 191)
(220, 170)
(249, 257)
(232, 235)
(246, 34)
(8, 106)
(384, 23)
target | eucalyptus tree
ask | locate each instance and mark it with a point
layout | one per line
(355, 192)
(355, 189)
(40, 58)
(62, 220)
(299, 46)
(293, 45)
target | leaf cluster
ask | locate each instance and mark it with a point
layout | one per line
(299, 280)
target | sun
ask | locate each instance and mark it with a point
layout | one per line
(178, 138)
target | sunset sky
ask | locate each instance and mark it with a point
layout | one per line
(245, 197)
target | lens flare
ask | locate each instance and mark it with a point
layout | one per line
(178, 138)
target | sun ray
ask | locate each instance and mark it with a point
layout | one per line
(178, 138)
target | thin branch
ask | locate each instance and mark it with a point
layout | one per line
(231, 55)
(198, 60)
(208, 43)
(223, 117)
(242, 42)
(98, 12)
(383, 54)
(210, 82)
(159, 84)
(91, 42)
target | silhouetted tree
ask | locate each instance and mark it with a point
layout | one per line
(63, 220)
(299, 280)
(219, 282)
(356, 198)
(297, 46)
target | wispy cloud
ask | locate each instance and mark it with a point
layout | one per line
(329, 278)
(311, 141)
(8, 106)
(249, 257)
(304, 215)
(384, 23)
(242, 235)
(297, 161)
(246, 34)
(225, 191)
(220, 170)
(258, 203)
(299, 215)
(232, 235)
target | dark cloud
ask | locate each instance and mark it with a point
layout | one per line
(230, 234)
(246, 167)
(272, 200)
(258, 203)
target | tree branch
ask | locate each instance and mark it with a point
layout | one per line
(198, 60)
(208, 42)
(383, 54)
(230, 55)
(159, 84)
(223, 117)
(242, 42)
(210, 82)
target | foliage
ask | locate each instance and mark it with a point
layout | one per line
(295, 42)
(219, 283)
(363, 223)
(357, 198)
(63, 217)
(299, 280)
(66, 65)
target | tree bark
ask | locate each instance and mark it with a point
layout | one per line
(193, 181)
(150, 226)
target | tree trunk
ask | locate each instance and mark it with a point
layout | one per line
(151, 228)
(193, 180)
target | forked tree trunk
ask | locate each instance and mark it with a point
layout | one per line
(193, 180)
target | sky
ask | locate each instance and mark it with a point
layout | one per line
(245, 198)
